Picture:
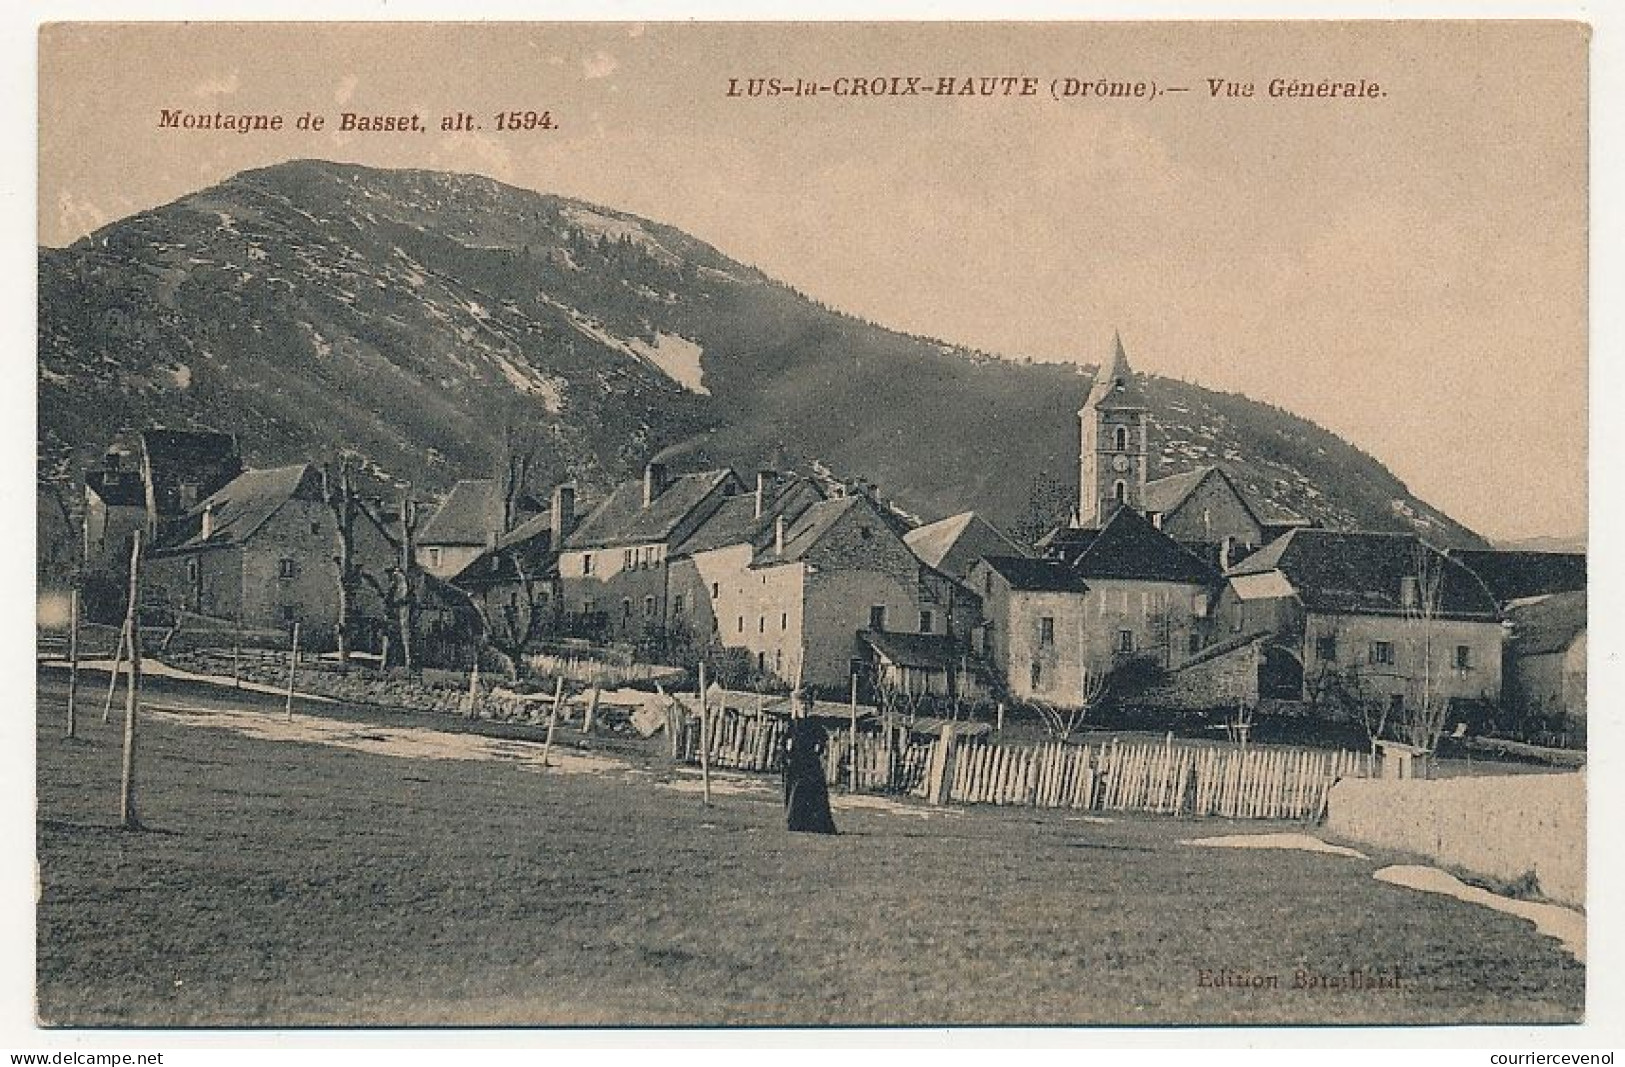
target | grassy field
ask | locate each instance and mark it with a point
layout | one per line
(286, 883)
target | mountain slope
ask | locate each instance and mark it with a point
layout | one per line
(408, 316)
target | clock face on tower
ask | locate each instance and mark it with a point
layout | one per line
(1120, 464)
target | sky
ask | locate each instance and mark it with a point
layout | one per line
(1406, 269)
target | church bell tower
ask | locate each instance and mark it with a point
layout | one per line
(1112, 455)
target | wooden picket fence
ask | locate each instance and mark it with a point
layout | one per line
(1172, 778)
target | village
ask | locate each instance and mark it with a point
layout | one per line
(1163, 598)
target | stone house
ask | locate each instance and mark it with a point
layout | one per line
(1148, 597)
(1034, 627)
(614, 570)
(1379, 616)
(949, 549)
(1206, 511)
(262, 550)
(514, 583)
(1546, 658)
(471, 520)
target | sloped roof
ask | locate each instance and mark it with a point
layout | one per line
(1515, 575)
(1361, 572)
(622, 519)
(1167, 494)
(525, 550)
(928, 651)
(1115, 388)
(1128, 547)
(953, 544)
(1546, 624)
(241, 507)
(118, 489)
(735, 522)
(470, 515)
(806, 531)
(1037, 575)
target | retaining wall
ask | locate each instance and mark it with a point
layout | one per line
(1504, 827)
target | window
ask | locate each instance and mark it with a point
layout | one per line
(286, 568)
(677, 604)
(1408, 596)
(1381, 652)
(877, 617)
(1396, 705)
(778, 661)
(714, 590)
(784, 620)
(1122, 439)
(1464, 658)
(761, 624)
(1196, 644)
(741, 624)
(589, 606)
(191, 570)
(287, 613)
(865, 533)
(434, 557)
(626, 607)
(1120, 491)
(925, 622)
(315, 527)
(1037, 675)
(586, 563)
(1046, 632)
(629, 558)
(1125, 641)
(1326, 648)
(648, 607)
(761, 661)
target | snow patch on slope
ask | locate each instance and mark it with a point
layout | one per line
(677, 357)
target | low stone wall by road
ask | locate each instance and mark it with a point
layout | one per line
(1502, 827)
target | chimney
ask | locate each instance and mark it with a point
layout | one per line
(208, 520)
(778, 534)
(564, 514)
(111, 461)
(654, 482)
(764, 481)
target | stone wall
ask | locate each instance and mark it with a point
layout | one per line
(1216, 682)
(1505, 827)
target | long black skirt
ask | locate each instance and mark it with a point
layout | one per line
(806, 799)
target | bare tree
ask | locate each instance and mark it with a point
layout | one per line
(1422, 600)
(339, 493)
(1061, 721)
(514, 614)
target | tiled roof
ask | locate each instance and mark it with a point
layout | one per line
(953, 544)
(1515, 575)
(805, 531)
(1167, 494)
(527, 549)
(1362, 572)
(623, 520)
(930, 651)
(1129, 547)
(735, 522)
(1037, 575)
(1546, 624)
(242, 507)
(470, 515)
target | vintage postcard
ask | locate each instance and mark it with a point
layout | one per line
(782, 524)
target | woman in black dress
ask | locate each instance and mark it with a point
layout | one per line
(806, 797)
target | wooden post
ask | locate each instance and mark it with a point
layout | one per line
(293, 670)
(705, 741)
(1000, 727)
(553, 719)
(472, 709)
(942, 775)
(112, 680)
(73, 660)
(237, 652)
(132, 628)
(592, 711)
(853, 756)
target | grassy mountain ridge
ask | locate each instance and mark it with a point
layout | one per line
(406, 316)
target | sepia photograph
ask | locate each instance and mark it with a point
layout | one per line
(788, 524)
